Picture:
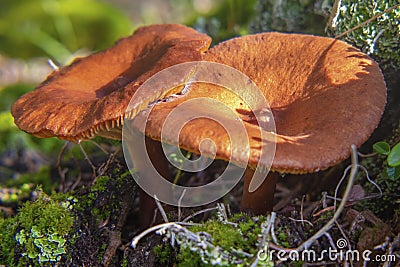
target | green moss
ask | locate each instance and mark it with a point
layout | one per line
(101, 201)
(379, 38)
(164, 254)
(234, 238)
(326, 215)
(43, 228)
(38, 233)
(297, 263)
(87, 201)
(96, 190)
(224, 235)
(8, 243)
(186, 258)
(101, 183)
(99, 205)
(125, 262)
(282, 235)
(101, 252)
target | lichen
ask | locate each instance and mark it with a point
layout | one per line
(38, 233)
(379, 38)
(219, 243)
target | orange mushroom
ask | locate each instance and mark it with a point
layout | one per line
(90, 96)
(325, 95)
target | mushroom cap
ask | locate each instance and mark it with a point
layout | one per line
(213, 115)
(325, 95)
(89, 97)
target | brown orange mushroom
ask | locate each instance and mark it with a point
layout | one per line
(90, 96)
(325, 95)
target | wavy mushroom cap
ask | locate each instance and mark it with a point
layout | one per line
(325, 95)
(89, 97)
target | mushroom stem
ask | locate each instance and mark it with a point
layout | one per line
(260, 201)
(147, 204)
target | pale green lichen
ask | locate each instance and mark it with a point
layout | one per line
(221, 242)
(43, 228)
(379, 38)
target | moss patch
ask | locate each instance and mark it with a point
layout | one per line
(38, 233)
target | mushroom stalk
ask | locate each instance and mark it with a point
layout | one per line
(147, 204)
(260, 201)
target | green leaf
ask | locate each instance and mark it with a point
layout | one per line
(394, 156)
(393, 172)
(382, 148)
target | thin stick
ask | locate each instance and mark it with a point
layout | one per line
(198, 213)
(328, 225)
(78, 180)
(60, 171)
(264, 243)
(324, 195)
(273, 216)
(327, 235)
(367, 155)
(179, 204)
(88, 159)
(302, 221)
(99, 146)
(137, 238)
(375, 195)
(301, 211)
(372, 181)
(390, 252)
(105, 166)
(53, 65)
(179, 172)
(347, 241)
(338, 186)
(161, 209)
